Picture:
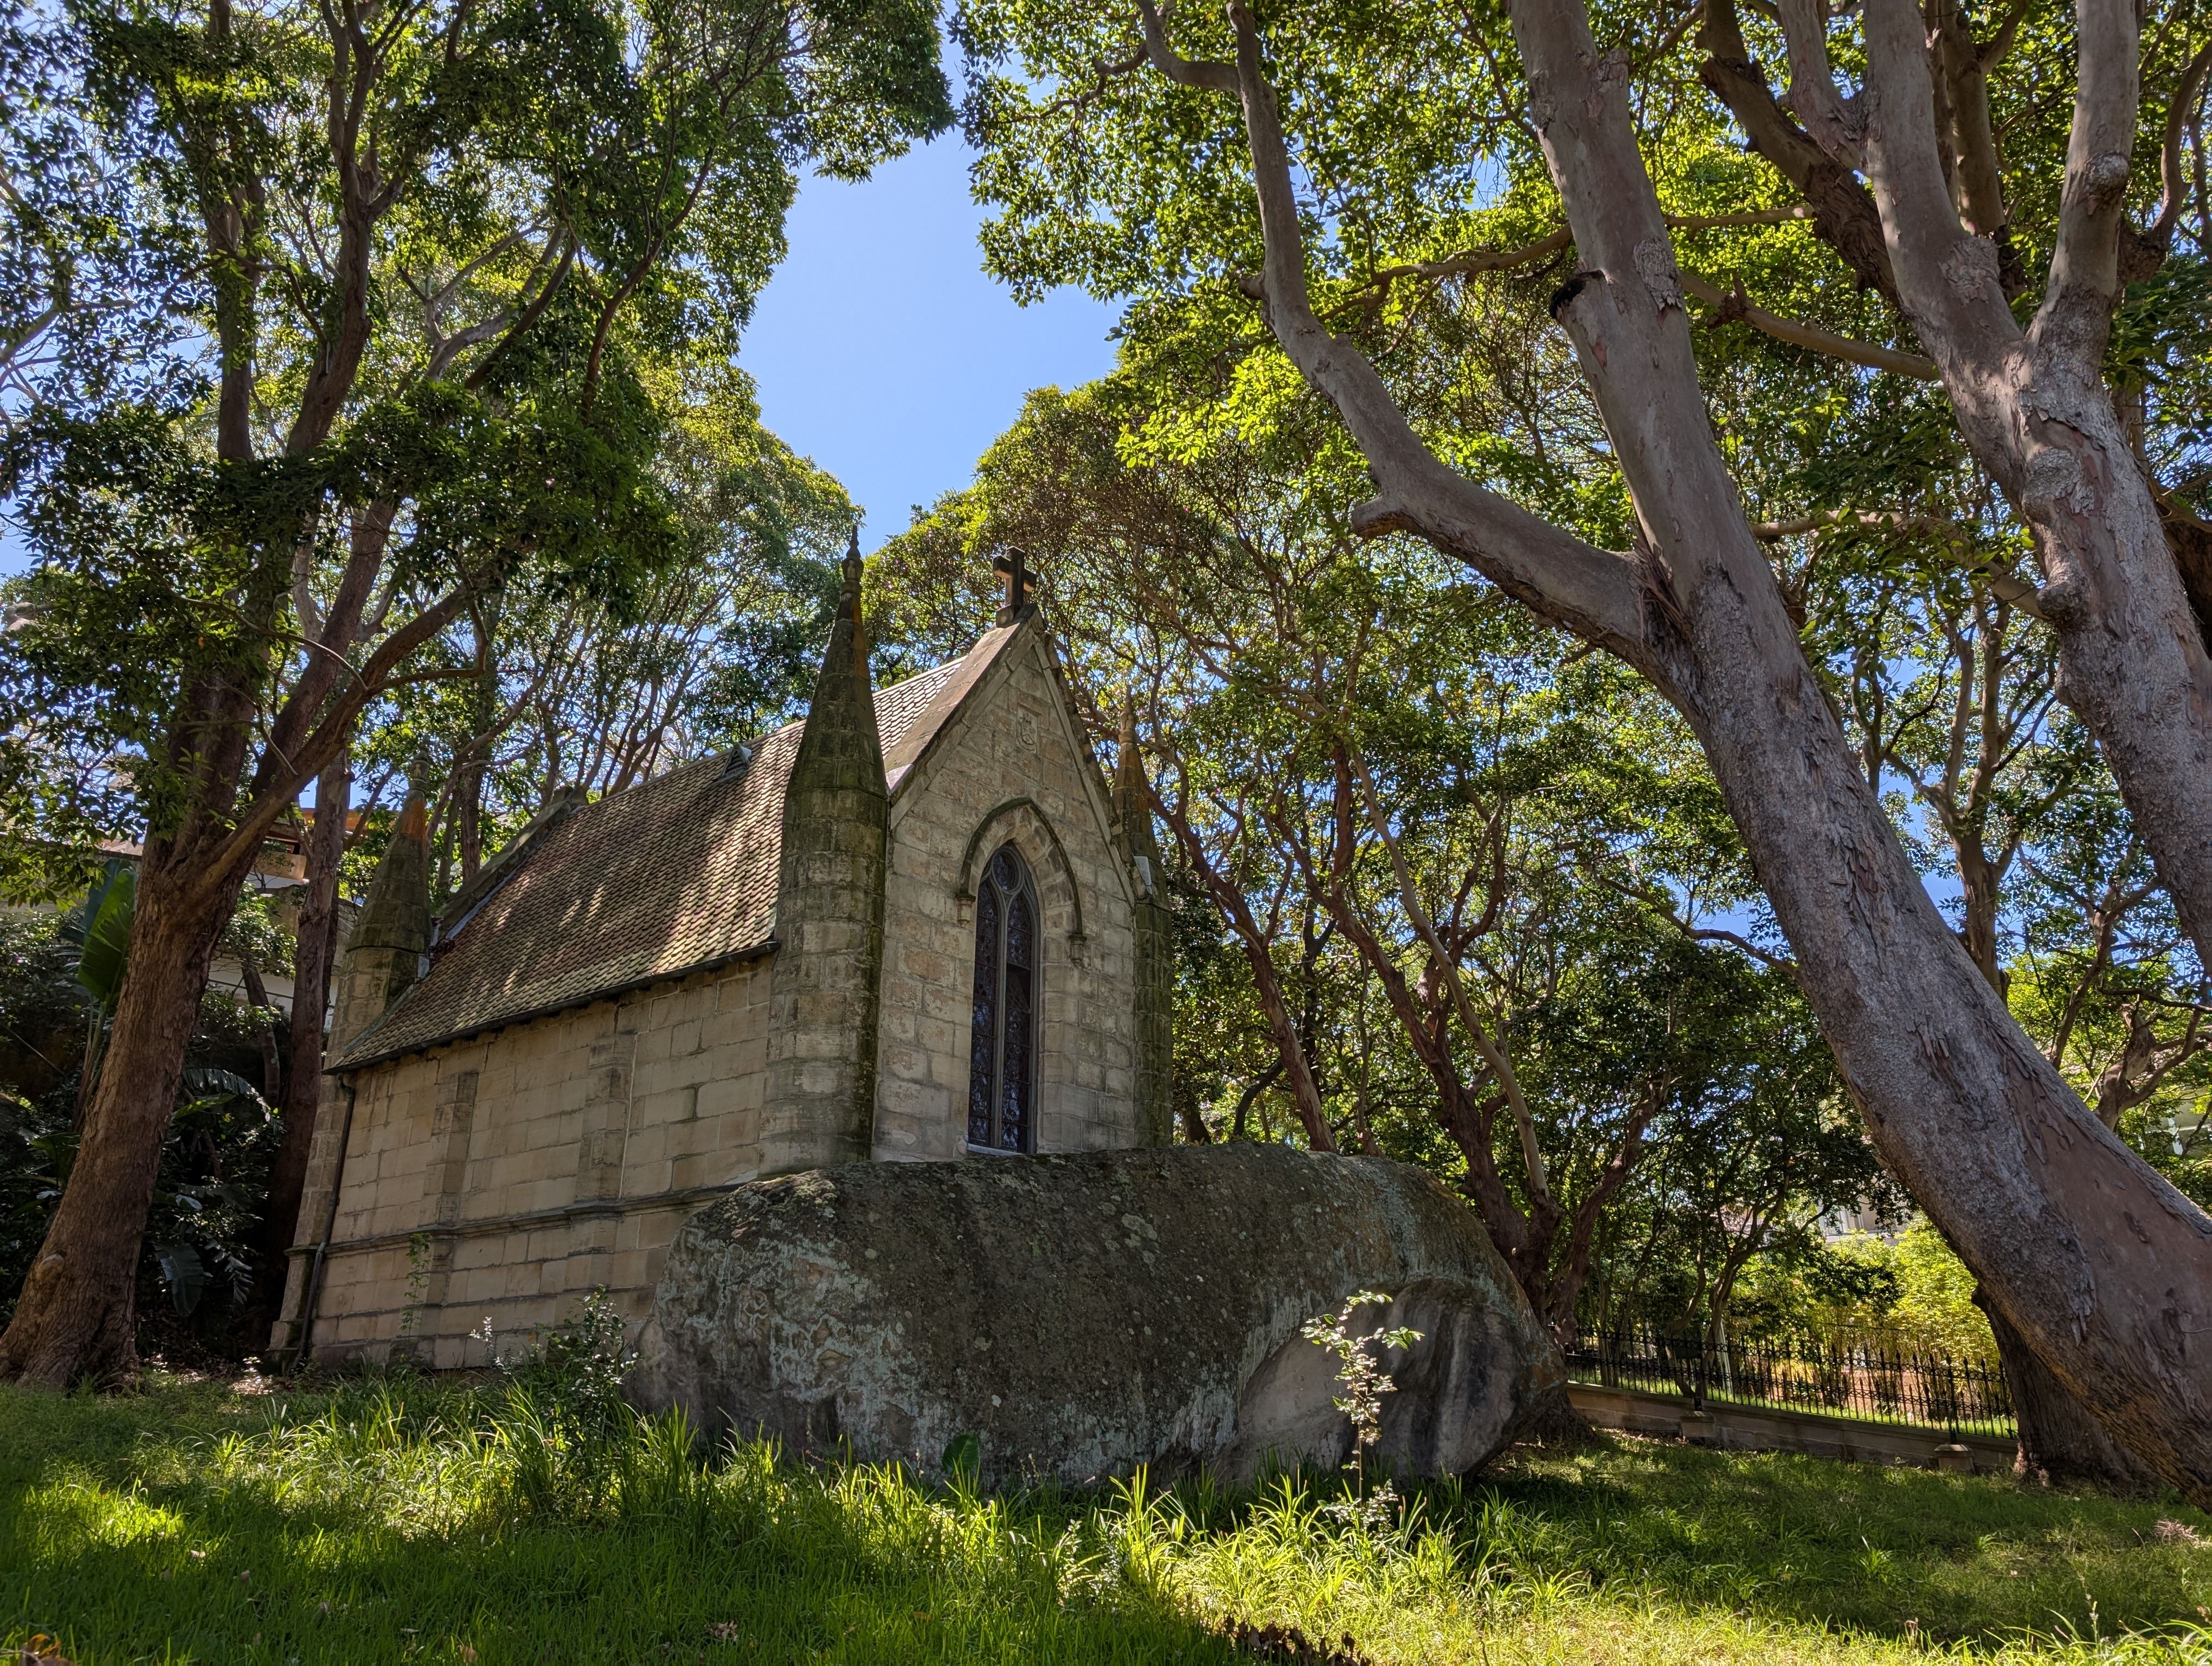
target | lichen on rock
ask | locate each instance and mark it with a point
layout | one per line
(1082, 1315)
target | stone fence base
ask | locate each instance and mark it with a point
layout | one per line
(1769, 1429)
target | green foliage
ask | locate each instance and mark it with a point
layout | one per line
(383, 1520)
(1914, 1295)
(208, 1188)
(42, 1005)
(1408, 150)
(100, 929)
(719, 645)
(573, 1370)
(212, 1172)
(1558, 823)
(483, 334)
(33, 1146)
(1936, 1293)
(43, 1013)
(1363, 1382)
(1756, 1143)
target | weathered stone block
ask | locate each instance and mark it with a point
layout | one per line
(1086, 1314)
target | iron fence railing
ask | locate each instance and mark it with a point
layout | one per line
(1872, 1378)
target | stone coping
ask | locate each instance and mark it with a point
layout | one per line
(584, 1208)
(1773, 1428)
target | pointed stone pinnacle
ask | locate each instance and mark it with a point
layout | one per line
(1133, 801)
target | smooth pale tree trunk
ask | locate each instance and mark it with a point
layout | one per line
(313, 956)
(2130, 590)
(2060, 1437)
(2033, 406)
(2102, 1268)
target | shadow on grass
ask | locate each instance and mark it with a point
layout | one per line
(423, 1522)
(1903, 1552)
(161, 1548)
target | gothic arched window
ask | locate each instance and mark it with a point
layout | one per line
(1002, 1068)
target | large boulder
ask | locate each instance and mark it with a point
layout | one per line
(1084, 1315)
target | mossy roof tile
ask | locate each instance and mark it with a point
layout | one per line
(673, 875)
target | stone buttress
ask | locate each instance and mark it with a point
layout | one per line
(824, 987)
(383, 953)
(382, 958)
(1155, 943)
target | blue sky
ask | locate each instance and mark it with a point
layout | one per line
(882, 350)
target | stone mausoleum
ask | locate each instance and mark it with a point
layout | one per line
(919, 926)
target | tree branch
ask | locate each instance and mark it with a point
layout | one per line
(371, 531)
(1653, 898)
(2172, 182)
(531, 312)
(1844, 213)
(1835, 125)
(275, 796)
(1951, 282)
(2075, 319)
(1998, 46)
(1185, 72)
(1732, 305)
(2013, 591)
(1493, 1056)
(1472, 263)
(1977, 170)
(1596, 594)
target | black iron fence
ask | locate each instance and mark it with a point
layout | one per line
(1873, 1378)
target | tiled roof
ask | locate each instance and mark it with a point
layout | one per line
(670, 875)
(901, 707)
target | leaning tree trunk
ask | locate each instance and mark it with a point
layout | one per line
(75, 1318)
(2101, 1265)
(303, 1084)
(2060, 1437)
(2060, 1442)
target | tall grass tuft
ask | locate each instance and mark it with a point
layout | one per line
(532, 1517)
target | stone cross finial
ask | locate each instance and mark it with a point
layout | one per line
(1013, 571)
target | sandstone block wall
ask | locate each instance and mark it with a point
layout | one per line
(536, 1165)
(507, 1176)
(1012, 740)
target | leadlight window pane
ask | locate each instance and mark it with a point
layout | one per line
(981, 1072)
(1001, 1086)
(1021, 934)
(1014, 1083)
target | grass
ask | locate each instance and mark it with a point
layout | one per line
(412, 1521)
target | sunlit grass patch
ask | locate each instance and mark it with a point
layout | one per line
(414, 1521)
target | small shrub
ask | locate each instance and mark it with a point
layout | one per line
(572, 1438)
(1365, 1383)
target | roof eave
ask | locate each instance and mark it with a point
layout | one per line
(920, 743)
(348, 1065)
